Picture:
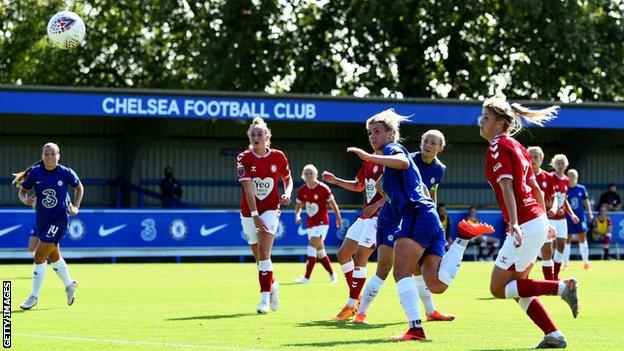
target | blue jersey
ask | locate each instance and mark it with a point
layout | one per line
(404, 187)
(576, 196)
(51, 192)
(431, 173)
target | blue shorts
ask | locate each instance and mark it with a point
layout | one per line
(51, 233)
(580, 227)
(386, 227)
(423, 225)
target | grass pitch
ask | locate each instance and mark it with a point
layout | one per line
(212, 307)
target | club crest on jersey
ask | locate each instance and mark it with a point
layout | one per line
(273, 168)
(375, 169)
(60, 183)
(315, 197)
(497, 167)
(432, 180)
(544, 184)
(240, 170)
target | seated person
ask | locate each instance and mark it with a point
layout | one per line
(484, 240)
(601, 230)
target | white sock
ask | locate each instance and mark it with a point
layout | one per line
(451, 261)
(311, 251)
(347, 267)
(38, 277)
(558, 256)
(584, 248)
(566, 253)
(265, 295)
(555, 334)
(548, 263)
(511, 290)
(371, 289)
(561, 287)
(60, 267)
(408, 295)
(424, 294)
(265, 265)
(321, 253)
(524, 302)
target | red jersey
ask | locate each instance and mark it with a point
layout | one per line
(561, 192)
(507, 158)
(368, 175)
(264, 172)
(315, 201)
(545, 181)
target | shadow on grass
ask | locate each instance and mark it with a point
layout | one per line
(348, 342)
(486, 298)
(34, 310)
(212, 316)
(518, 349)
(344, 325)
(18, 278)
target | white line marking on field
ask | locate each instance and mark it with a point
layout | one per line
(131, 342)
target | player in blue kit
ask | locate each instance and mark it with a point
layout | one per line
(432, 171)
(579, 202)
(419, 233)
(49, 180)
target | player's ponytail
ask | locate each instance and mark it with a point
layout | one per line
(514, 114)
(20, 177)
(258, 122)
(390, 120)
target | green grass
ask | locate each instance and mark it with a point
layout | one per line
(212, 307)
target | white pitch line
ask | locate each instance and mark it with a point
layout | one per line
(130, 342)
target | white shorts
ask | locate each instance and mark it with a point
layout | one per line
(318, 231)
(363, 231)
(561, 227)
(271, 220)
(522, 257)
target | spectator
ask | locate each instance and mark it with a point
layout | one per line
(446, 224)
(611, 198)
(601, 230)
(484, 240)
(170, 188)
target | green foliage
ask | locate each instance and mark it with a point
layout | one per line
(552, 49)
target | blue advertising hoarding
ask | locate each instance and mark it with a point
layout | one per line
(105, 103)
(158, 232)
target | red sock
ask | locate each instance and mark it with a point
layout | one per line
(530, 287)
(556, 270)
(540, 317)
(355, 288)
(327, 264)
(548, 273)
(310, 266)
(266, 279)
(349, 278)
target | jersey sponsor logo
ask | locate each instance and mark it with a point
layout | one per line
(370, 189)
(49, 200)
(203, 231)
(240, 170)
(264, 186)
(497, 167)
(6, 231)
(103, 232)
(312, 209)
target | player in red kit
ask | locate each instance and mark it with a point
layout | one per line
(259, 170)
(544, 180)
(561, 183)
(509, 172)
(361, 237)
(314, 196)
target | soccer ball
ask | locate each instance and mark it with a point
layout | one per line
(66, 30)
